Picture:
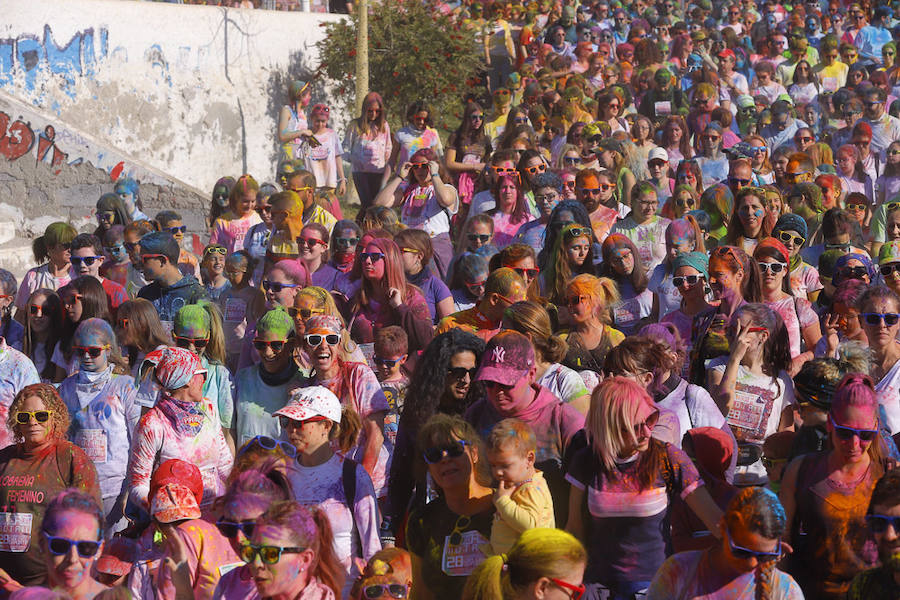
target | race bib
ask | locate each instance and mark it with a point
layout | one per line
(662, 108)
(235, 310)
(830, 84)
(15, 531)
(747, 411)
(210, 478)
(461, 559)
(628, 312)
(93, 442)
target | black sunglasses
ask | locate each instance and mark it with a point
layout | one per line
(854, 272)
(275, 345)
(230, 529)
(394, 590)
(185, 342)
(479, 237)
(460, 372)
(436, 454)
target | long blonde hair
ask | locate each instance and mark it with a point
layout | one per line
(615, 406)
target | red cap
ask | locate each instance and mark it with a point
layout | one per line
(119, 554)
(726, 53)
(180, 472)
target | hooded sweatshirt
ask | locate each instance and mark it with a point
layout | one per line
(104, 416)
(167, 300)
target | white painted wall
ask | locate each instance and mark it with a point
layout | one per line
(191, 91)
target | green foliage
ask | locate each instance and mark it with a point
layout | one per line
(415, 53)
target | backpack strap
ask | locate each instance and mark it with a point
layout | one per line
(348, 480)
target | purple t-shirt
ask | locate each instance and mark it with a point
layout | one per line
(628, 534)
(434, 291)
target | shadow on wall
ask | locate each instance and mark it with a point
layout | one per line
(278, 93)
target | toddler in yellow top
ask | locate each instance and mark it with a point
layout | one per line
(522, 499)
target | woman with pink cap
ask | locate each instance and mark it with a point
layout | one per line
(182, 424)
(314, 422)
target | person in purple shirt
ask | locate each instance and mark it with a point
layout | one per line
(416, 253)
(507, 371)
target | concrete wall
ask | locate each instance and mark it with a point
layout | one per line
(191, 91)
(174, 96)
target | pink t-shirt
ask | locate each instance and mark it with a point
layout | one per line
(505, 228)
(37, 278)
(797, 314)
(230, 230)
(208, 556)
(358, 388)
(805, 280)
(157, 440)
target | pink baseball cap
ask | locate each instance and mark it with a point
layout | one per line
(507, 358)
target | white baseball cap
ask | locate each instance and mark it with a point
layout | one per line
(658, 154)
(309, 402)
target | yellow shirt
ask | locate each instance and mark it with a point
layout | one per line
(528, 507)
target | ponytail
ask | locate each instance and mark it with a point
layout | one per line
(538, 553)
(40, 250)
(489, 581)
(346, 432)
(215, 349)
(328, 569)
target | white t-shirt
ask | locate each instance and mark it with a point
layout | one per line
(649, 237)
(694, 407)
(661, 284)
(322, 486)
(756, 412)
(563, 382)
(887, 392)
(320, 161)
(421, 210)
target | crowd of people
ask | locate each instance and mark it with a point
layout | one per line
(631, 331)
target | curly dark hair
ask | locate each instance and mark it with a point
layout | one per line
(427, 384)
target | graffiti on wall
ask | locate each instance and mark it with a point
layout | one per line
(17, 139)
(27, 56)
